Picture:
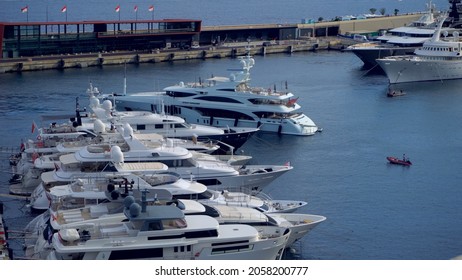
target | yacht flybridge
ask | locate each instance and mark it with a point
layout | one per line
(226, 101)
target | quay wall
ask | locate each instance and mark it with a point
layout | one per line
(157, 56)
(229, 49)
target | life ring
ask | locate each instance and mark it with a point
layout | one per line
(39, 137)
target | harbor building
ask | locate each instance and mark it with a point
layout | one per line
(28, 39)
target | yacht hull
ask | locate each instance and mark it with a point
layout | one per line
(403, 70)
(369, 55)
(300, 224)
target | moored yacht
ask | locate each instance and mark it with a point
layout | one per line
(440, 58)
(227, 101)
(170, 126)
(401, 40)
(165, 232)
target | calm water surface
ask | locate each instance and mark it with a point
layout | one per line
(374, 210)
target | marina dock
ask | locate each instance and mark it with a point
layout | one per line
(61, 45)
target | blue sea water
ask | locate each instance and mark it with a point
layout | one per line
(374, 210)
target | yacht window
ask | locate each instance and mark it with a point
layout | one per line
(231, 249)
(203, 233)
(159, 126)
(155, 226)
(141, 127)
(179, 125)
(218, 99)
(179, 94)
(209, 182)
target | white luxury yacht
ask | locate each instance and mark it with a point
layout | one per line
(165, 232)
(168, 125)
(440, 58)
(226, 101)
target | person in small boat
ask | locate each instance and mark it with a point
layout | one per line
(404, 157)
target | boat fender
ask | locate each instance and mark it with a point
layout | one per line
(279, 129)
(110, 187)
(236, 120)
(211, 120)
(258, 124)
(135, 209)
(128, 200)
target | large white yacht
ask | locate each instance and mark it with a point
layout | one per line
(85, 200)
(401, 40)
(227, 101)
(168, 125)
(165, 232)
(440, 58)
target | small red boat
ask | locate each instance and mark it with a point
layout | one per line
(395, 160)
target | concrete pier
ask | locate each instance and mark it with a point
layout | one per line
(290, 38)
(157, 56)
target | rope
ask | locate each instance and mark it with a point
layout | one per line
(367, 72)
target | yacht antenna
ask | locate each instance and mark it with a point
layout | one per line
(143, 200)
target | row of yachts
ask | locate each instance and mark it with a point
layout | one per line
(112, 184)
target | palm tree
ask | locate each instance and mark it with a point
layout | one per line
(373, 10)
(382, 11)
(396, 12)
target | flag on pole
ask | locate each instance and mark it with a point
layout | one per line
(292, 102)
(135, 9)
(151, 8)
(25, 9)
(64, 9)
(117, 9)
